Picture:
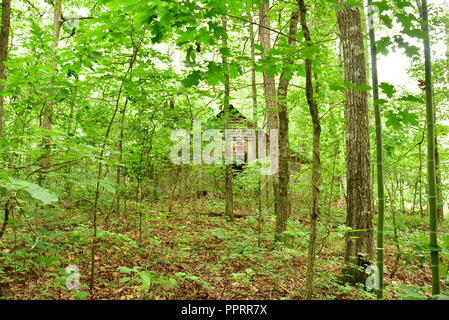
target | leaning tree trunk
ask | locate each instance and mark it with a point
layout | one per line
(229, 212)
(4, 41)
(316, 162)
(100, 161)
(270, 96)
(118, 177)
(359, 241)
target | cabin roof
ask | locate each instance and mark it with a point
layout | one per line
(235, 113)
(236, 119)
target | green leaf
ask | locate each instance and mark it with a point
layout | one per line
(173, 283)
(411, 98)
(410, 293)
(388, 89)
(157, 32)
(336, 87)
(412, 51)
(337, 6)
(382, 45)
(214, 74)
(363, 87)
(95, 54)
(348, 85)
(124, 279)
(41, 194)
(34, 190)
(416, 33)
(80, 295)
(143, 17)
(145, 279)
(193, 79)
(380, 101)
(392, 120)
(235, 70)
(225, 52)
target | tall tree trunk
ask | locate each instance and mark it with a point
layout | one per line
(120, 159)
(415, 192)
(47, 114)
(4, 42)
(270, 95)
(7, 209)
(316, 162)
(446, 10)
(254, 98)
(437, 154)
(440, 207)
(380, 165)
(421, 210)
(229, 212)
(252, 39)
(431, 179)
(395, 229)
(359, 242)
(401, 192)
(100, 162)
(68, 169)
(333, 177)
(284, 148)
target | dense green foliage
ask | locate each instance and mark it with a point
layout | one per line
(124, 74)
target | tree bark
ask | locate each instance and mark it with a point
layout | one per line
(415, 192)
(7, 209)
(446, 10)
(47, 114)
(68, 170)
(254, 98)
(395, 229)
(440, 206)
(359, 242)
(4, 42)
(316, 162)
(437, 154)
(229, 212)
(270, 94)
(380, 165)
(421, 210)
(284, 147)
(401, 193)
(252, 38)
(120, 159)
(431, 179)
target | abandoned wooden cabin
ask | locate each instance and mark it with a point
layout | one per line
(201, 179)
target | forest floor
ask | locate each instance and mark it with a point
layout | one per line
(187, 253)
